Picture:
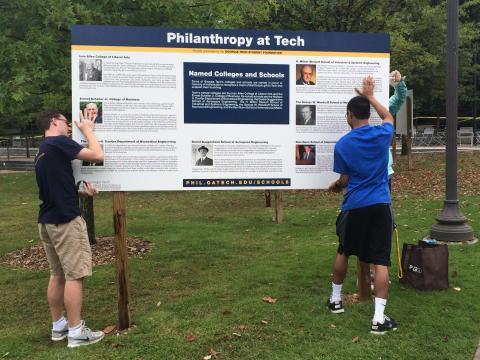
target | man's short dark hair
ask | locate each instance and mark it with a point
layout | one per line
(359, 106)
(45, 118)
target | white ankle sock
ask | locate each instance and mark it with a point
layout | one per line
(74, 331)
(336, 292)
(60, 324)
(379, 310)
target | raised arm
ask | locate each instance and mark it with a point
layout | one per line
(398, 98)
(367, 91)
(93, 152)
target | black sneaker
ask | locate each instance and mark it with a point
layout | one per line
(335, 307)
(380, 329)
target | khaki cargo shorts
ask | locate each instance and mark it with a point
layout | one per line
(67, 247)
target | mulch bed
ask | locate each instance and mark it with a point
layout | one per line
(103, 252)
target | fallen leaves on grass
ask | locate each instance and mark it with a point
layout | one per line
(429, 182)
(242, 327)
(191, 338)
(103, 252)
(214, 353)
(109, 329)
(269, 299)
(349, 299)
(355, 339)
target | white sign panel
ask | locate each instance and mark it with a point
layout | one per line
(219, 109)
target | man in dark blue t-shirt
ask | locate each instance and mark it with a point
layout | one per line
(364, 227)
(61, 228)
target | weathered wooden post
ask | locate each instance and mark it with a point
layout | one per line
(279, 206)
(121, 255)
(363, 276)
(268, 198)
(86, 207)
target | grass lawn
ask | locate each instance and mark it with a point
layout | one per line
(216, 254)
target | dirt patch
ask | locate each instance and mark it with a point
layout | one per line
(103, 252)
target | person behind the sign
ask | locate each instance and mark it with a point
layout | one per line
(394, 104)
(204, 159)
(61, 228)
(306, 74)
(364, 226)
(307, 116)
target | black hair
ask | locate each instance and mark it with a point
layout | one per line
(359, 106)
(45, 118)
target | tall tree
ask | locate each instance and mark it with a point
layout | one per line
(34, 58)
(35, 39)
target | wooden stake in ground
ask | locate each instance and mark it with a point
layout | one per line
(279, 206)
(363, 276)
(268, 198)
(86, 207)
(121, 255)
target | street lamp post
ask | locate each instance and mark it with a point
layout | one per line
(475, 50)
(451, 224)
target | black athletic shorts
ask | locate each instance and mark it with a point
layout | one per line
(366, 233)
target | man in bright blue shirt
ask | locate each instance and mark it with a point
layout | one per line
(364, 226)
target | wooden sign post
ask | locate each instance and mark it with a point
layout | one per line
(278, 206)
(121, 255)
(363, 276)
(268, 198)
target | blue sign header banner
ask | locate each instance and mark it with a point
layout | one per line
(99, 35)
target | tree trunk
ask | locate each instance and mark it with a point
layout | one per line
(278, 206)
(268, 198)
(404, 145)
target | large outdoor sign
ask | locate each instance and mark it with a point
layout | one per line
(191, 109)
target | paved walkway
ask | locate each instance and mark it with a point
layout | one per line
(477, 354)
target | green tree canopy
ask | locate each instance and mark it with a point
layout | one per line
(35, 40)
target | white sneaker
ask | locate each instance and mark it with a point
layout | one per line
(85, 337)
(58, 335)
